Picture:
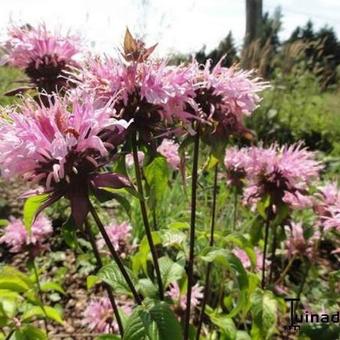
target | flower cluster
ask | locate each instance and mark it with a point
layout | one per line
(98, 315)
(281, 173)
(120, 236)
(223, 97)
(17, 238)
(179, 298)
(327, 206)
(244, 258)
(297, 244)
(169, 149)
(61, 148)
(45, 56)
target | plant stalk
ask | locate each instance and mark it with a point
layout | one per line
(263, 282)
(192, 234)
(211, 243)
(145, 217)
(115, 255)
(105, 285)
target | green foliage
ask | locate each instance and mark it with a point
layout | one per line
(31, 207)
(153, 321)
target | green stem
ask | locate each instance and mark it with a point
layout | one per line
(37, 280)
(145, 217)
(273, 257)
(263, 282)
(284, 273)
(115, 255)
(106, 286)
(211, 243)
(192, 234)
(235, 209)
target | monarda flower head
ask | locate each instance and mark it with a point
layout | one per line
(148, 92)
(297, 244)
(327, 206)
(18, 239)
(223, 97)
(45, 56)
(98, 316)
(281, 173)
(62, 148)
(236, 162)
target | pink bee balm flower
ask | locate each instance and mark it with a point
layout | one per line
(61, 148)
(129, 159)
(327, 206)
(236, 161)
(99, 316)
(180, 298)
(297, 244)
(169, 149)
(45, 56)
(282, 173)
(243, 257)
(16, 237)
(150, 93)
(223, 96)
(120, 235)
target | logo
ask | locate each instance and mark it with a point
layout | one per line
(295, 320)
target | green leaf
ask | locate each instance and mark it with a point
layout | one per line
(147, 287)
(166, 321)
(225, 325)
(156, 174)
(174, 238)
(242, 335)
(224, 257)
(49, 286)
(262, 206)
(41, 313)
(256, 230)
(29, 332)
(139, 260)
(179, 225)
(108, 337)
(3, 223)
(113, 277)
(140, 324)
(107, 194)
(91, 281)
(264, 311)
(170, 271)
(69, 234)
(31, 206)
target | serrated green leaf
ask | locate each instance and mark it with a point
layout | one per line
(147, 288)
(142, 322)
(91, 281)
(225, 325)
(29, 332)
(113, 277)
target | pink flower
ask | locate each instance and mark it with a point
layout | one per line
(61, 148)
(236, 161)
(179, 298)
(297, 244)
(244, 258)
(99, 317)
(151, 93)
(129, 159)
(45, 56)
(169, 149)
(327, 206)
(282, 173)
(16, 237)
(120, 235)
(223, 96)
